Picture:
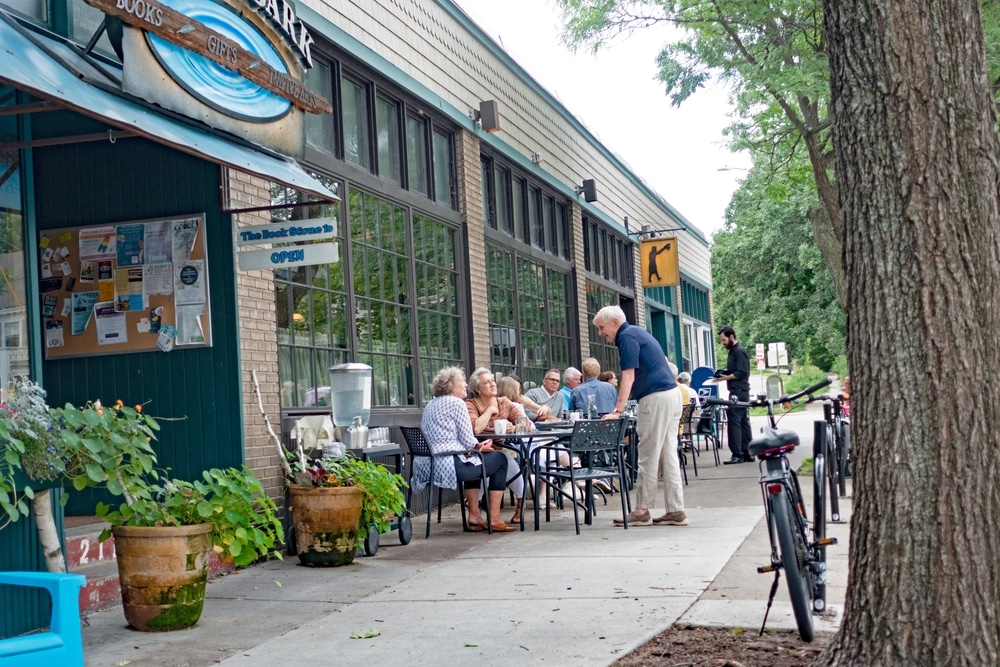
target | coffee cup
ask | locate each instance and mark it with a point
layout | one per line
(500, 426)
(575, 416)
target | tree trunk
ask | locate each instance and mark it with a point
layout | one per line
(830, 248)
(48, 534)
(917, 172)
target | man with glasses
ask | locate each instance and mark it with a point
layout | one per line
(548, 394)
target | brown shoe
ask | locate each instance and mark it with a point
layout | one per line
(636, 519)
(672, 519)
(502, 527)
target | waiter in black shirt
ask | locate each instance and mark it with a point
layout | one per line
(737, 376)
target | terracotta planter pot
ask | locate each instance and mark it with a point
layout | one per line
(163, 571)
(326, 522)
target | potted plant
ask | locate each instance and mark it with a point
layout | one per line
(337, 501)
(164, 530)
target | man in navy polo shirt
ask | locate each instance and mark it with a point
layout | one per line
(647, 378)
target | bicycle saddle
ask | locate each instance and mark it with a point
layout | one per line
(772, 442)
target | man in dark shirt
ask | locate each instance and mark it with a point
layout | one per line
(737, 377)
(647, 378)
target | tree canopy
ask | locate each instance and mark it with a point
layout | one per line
(771, 283)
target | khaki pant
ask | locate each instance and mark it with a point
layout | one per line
(659, 415)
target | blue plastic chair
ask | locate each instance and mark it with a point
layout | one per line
(63, 643)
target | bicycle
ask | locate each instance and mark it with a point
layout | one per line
(796, 548)
(838, 439)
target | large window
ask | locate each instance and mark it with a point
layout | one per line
(387, 138)
(522, 210)
(608, 254)
(530, 315)
(600, 349)
(416, 155)
(354, 107)
(390, 301)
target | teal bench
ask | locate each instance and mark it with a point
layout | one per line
(63, 644)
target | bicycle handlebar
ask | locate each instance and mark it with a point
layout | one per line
(762, 402)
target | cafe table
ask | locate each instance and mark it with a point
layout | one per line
(520, 443)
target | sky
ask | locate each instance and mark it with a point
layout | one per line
(677, 151)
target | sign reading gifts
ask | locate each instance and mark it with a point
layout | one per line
(236, 65)
(302, 234)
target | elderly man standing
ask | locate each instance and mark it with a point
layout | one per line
(647, 378)
(571, 380)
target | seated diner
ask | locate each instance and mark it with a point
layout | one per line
(446, 426)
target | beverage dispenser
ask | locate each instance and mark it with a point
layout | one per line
(351, 402)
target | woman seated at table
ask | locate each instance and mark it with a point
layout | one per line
(484, 408)
(509, 387)
(446, 426)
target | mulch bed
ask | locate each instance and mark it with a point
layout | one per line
(726, 647)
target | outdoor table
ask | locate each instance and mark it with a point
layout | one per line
(521, 443)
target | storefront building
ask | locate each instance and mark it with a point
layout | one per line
(441, 238)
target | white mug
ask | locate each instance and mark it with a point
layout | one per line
(575, 416)
(500, 426)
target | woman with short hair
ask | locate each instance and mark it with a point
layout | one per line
(446, 427)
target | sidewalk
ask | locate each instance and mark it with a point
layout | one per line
(535, 598)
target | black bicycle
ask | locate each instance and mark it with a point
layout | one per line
(797, 547)
(838, 444)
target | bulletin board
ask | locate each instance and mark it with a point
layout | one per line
(135, 286)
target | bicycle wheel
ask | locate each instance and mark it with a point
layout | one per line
(831, 468)
(795, 562)
(843, 455)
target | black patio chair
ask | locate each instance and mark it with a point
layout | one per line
(416, 443)
(703, 430)
(685, 443)
(590, 440)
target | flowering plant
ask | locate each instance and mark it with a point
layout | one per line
(382, 490)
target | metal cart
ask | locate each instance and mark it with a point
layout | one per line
(389, 456)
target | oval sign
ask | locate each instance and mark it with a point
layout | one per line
(222, 89)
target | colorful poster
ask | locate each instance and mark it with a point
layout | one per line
(128, 289)
(97, 243)
(131, 241)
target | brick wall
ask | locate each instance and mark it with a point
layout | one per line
(258, 341)
(470, 198)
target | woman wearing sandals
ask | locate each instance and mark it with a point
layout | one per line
(485, 408)
(446, 426)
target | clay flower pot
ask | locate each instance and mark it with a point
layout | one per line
(163, 571)
(326, 521)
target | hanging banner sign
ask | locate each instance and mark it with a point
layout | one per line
(289, 256)
(658, 258)
(284, 232)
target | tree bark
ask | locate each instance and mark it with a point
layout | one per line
(48, 534)
(917, 173)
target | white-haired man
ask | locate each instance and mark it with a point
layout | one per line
(646, 377)
(572, 377)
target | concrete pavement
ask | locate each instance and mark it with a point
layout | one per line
(550, 597)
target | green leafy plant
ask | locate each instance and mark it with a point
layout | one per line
(245, 527)
(383, 496)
